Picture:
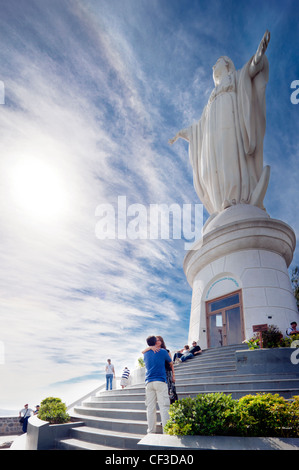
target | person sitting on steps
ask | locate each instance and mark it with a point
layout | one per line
(192, 352)
(180, 353)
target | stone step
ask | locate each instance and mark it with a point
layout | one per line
(118, 401)
(225, 353)
(192, 364)
(116, 439)
(224, 349)
(211, 358)
(78, 444)
(218, 383)
(113, 424)
(136, 405)
(133, 390)
(236, 393)
(221, 352)
(108, 413)
(117, 419)
(112, 396)
(198, 378)
(182, 371)
(251, 385)
(205, 374)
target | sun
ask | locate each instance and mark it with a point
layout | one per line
(39, 189)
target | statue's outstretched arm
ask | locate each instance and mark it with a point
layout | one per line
(257, 63)
(183, 134)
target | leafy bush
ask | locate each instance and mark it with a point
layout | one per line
(269, 415)
(53, 410)
(206, 414)
(141, 362)
(288, 340)
(272, 338)
(253, 343)
(219, 414)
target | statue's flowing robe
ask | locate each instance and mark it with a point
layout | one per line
(226, 145)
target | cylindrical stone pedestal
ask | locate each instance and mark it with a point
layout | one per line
(241, 263)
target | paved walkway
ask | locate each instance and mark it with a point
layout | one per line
(6, 441)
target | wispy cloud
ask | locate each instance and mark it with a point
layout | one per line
(93, 92)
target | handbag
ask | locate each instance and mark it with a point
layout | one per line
(173, 395)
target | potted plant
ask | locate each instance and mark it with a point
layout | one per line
(53, 411)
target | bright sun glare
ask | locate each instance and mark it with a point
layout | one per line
(39, 189)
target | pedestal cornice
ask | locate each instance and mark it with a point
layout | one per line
(255, 233)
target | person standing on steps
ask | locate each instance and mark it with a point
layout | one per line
(110, 373)
(26, 412)
(125, 377)
(170, 374)
(156, 390)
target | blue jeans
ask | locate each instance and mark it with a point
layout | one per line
(109, 378)
(187, 356)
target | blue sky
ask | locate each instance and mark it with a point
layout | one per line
(93, 91)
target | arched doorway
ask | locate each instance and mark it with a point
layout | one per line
(225, 323)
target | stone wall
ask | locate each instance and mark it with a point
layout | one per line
(9, 425)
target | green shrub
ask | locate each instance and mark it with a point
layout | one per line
(269, 415)
(288, 340)
(272, 338)
(253, 343)
(294, 416)
(218, 414)
(206, 414)
(141, 362)
(53, 410)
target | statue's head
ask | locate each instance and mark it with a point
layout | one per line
(223, 66)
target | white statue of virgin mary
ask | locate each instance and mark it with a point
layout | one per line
(226, 144)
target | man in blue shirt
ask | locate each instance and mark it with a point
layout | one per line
(156, 389)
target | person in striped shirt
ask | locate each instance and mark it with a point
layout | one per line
(125, 377)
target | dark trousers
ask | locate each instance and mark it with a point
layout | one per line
(25, 423)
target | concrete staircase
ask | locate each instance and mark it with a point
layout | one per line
(116, 419)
